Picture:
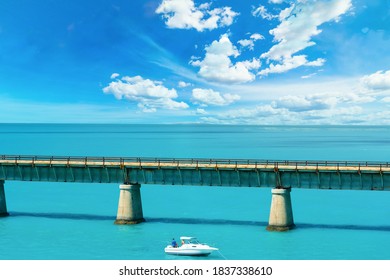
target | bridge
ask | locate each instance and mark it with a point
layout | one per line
(130, 173)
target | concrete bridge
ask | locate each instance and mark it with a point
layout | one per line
(130, 173)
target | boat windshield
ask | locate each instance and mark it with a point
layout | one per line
(191, 241)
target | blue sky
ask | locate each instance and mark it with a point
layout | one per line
(185, 61)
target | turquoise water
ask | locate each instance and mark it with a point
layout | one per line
(75, 221)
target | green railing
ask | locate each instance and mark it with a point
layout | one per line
(17, 158)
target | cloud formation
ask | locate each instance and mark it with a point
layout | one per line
(290, 63)
(295, 32)
(201, 111)
(149, 95)
(206, 97)
(267, 114)
(380, 80)
(183, 14)
(296, 29)
(218, 67)
(305, 103)
(386, 99)
(299, 23)
(250, 43)
(262, 12)
(183, 84)
(339, 102)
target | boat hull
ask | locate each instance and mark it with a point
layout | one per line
(189, 251)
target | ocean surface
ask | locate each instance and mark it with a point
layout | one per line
(75, 221)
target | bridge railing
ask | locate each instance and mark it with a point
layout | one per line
(18, 158)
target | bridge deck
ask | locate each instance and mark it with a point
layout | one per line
(216, 172)
(197, 163)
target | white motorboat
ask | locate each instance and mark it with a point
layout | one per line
(190, 247)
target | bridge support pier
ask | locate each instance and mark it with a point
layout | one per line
(130, 205)
(281, 215)
(3, 204)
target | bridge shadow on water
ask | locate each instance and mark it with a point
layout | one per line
(191, 221)
(264, 224)
(68, 216)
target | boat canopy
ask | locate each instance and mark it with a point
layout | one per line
(187, 238)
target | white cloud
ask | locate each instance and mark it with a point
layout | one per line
(257, 36)
(210, 97)
(305, 103)
(250, 43)
(262, 114)
(247, 43)
(184, 14)
(146, 109)
(269, 115)
(218, 67)
(285, 12)
(114, 76)
(318, 102)
(316, 63)
(149, 94)
(300, 23)
(261, 11)
(252, 64)
(353, 97)
(201, 111)
(339, 115)
(183, 84)
(289, 63)
(377, 81)
(386, 99)
(308, 76)
(333, 102)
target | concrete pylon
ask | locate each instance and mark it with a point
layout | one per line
(3, 204)
(281, 215)
(130, 205)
